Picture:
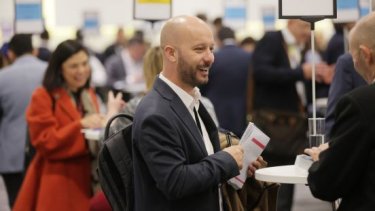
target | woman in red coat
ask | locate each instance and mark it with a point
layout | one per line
(59, 176)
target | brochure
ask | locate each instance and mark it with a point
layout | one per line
(253, 141)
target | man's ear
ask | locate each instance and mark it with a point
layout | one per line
(367, 54)
(170, 53)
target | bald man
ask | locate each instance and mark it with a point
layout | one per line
(346, 168)
(178, 164)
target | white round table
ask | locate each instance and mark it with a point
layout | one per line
(289, 174)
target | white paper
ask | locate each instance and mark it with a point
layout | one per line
(253, 141)
(303, 161)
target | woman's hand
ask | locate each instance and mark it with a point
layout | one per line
(114, 105)
(92, 121)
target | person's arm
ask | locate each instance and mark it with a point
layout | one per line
(341, 166)
(266, 62)
(161, 148)
(52, 140)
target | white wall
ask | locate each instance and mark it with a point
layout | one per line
(63, 17)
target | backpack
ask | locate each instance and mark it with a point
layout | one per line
(115, 166)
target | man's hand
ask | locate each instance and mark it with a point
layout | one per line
(237, 153)
(257, 164)
(314, 152)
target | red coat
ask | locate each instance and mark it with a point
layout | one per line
(58, 177)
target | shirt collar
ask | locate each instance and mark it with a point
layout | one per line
(290, 39)
(229, 41)
(189, 101)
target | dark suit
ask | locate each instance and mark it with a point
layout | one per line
(171, 168)
(275, 89)
(226, 87)
(344, 80)
(347, 168)
(274, 78)
(115, 69)
(335, 48)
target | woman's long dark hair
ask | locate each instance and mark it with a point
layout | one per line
(53, 77)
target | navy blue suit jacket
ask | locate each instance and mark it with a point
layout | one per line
(227, 87)
(172, 170)
(273, 76)
(344, 80)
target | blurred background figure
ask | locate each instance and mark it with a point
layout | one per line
(116, 47)
(44, 52)
(227, 84)
(4, 59)
(248, 44)
(279, 73)
(217, 23)
(4, 203)
(125, 70)
(98, 71)
(61, 175)
(345, 80)
(17, 82)
(202, 16)
(336, 44)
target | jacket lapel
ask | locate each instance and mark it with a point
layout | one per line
(181, 111)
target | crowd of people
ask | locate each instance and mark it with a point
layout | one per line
(199, 81)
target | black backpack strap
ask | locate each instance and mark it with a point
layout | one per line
(108, 126)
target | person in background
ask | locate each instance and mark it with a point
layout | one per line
(116, 47)
(345, 80)
(345, 167)
(177, 162)
(125, 70)
(202, 16)
(17, 82)
(98, 72)
(279, 73)
(59, 176)
(217, 24)
(336, 44)
(4, 55)
(248, 44)
(227, 83)
(4, 201)
(44, 53)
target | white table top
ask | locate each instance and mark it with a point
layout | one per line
(290, 174)
(93, 134)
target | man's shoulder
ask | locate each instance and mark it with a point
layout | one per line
(363, 97)
(273, 35)
(366, 91)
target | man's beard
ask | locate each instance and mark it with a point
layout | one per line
(188, 73)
